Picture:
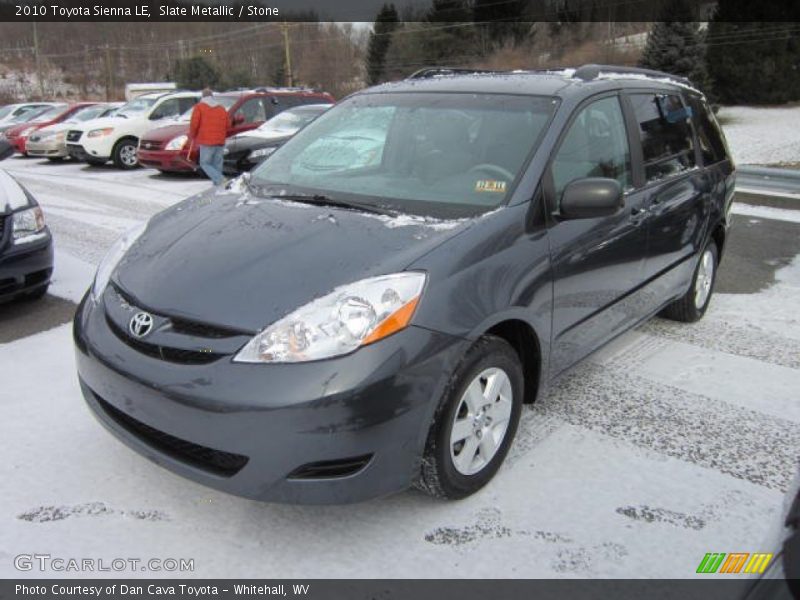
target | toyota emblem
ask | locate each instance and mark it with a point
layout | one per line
(140, 325)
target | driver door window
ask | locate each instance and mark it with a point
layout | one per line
(596, 145)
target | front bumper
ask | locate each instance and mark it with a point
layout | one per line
(46, 149)
(164, 160)
(272, 432)
(83, 152)
(26, 267)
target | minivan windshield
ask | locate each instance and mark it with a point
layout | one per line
(445, 155)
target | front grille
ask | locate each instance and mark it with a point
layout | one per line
(74, 135)
(218, 462)
(150, 145)
(2, 228)
(203, 330)
(170, 354)
(331, 469)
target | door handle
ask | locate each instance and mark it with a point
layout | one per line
(638, 214)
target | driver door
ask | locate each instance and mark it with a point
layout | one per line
(597, 262)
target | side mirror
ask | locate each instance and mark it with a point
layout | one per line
(591, 197)
(6, 149)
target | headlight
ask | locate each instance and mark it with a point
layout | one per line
(261, 152)
(176, 143)
(112, 258)
(28, 222)
(351, 316)
(100, 132)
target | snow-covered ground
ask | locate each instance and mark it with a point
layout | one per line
(762, 135)
(674, 441)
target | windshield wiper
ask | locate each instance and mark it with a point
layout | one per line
(323, 200)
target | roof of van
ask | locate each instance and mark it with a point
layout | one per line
(562, 82)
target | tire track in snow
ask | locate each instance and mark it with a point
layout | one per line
(742, 340)
(694, 428)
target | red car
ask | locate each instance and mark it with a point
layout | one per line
(165, 148)
(18, 135)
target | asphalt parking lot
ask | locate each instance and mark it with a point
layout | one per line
(673, 441)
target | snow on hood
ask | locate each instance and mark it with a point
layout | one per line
(12, 197)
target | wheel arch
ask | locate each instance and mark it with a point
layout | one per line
(525, 341)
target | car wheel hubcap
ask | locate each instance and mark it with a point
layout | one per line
(705, 277)
(128, 155)
(481, 421)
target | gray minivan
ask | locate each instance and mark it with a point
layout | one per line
(373, 306)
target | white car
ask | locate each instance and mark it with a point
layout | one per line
(116, 138)
(50, 142)
(14, 114)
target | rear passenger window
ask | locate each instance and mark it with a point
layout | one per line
(596, 145)
(709, 134)
(666, 134)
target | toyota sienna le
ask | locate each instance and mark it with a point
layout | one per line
(362, 316)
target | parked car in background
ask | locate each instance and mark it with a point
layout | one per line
(116, 138)
(249, 149)
(26, 247)
(50, 141)
(358, 320)
(11, 114)
(58, 114)
(166, 148)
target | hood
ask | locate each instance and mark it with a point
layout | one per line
(267, 135)
(12, 195)
(167, 132)
(57, 127)
(240, 143)
(240, 261)
(103, 122)
(16, 130)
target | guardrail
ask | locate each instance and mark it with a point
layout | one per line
(768, 181)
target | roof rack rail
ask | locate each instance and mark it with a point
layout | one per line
(429, 72)
(592, 71)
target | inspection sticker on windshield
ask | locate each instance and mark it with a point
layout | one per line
(490, 185)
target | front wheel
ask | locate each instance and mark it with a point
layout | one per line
(124, 154)
(693, 305)
(475, 422)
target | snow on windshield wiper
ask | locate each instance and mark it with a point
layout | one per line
(323, 200)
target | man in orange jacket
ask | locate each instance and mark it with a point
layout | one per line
(208, 129)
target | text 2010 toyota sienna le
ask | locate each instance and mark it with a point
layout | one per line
(372, 309)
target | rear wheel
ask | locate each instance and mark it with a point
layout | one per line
(693, 305)
(124, 154)
(475, 422)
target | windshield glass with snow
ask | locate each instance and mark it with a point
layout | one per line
(139, 105)
(6, 110)
(49, 114)
(88, 112)
(434, 154)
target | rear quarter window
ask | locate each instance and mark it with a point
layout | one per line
(709, 133)
(665, 133)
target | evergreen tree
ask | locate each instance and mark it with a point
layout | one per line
(195, 73)
(753, 55)
(501, 21)
(380, 39)
(677, 46)
(450, 37)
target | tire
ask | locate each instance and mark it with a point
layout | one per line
(693, 304)
(94, 162)
(445, 471)
(124, 154)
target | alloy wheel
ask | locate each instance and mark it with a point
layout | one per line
(481, 421)
(705, 278)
